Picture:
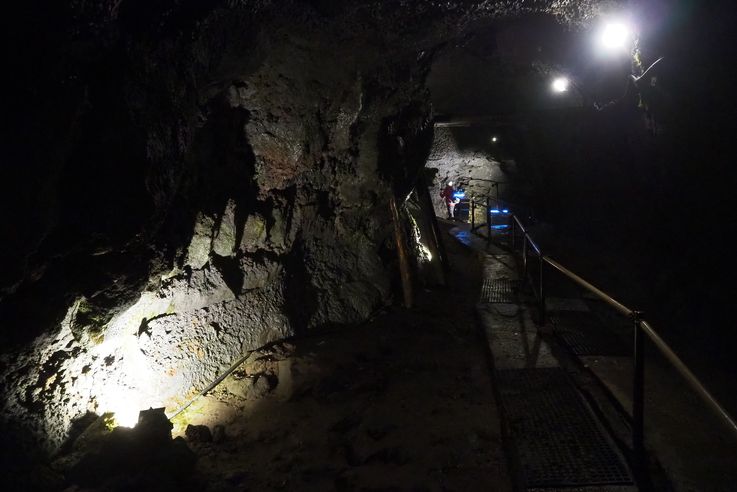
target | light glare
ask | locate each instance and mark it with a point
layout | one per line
(126, 418)
(560, 84)
(615, 37)
(427, 252)
(125, 407)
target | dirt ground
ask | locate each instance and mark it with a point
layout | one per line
(403, 402)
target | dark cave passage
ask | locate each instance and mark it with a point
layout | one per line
(191, 185)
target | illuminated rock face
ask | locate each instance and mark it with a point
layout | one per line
(283, 222)
(469, 158)
(289, 250)
(167, 346)
(207, 182)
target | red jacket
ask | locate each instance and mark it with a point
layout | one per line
(447, 193)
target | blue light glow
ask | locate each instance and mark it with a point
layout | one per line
(500, 226)
(459, 194)
(506, 211)
(494, 211)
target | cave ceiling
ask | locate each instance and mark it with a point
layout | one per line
(157, 68)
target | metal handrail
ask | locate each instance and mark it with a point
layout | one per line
(484, 180)
(642, 328)
(591, 288)
(527, 235)
(686, 373)
(499, 202)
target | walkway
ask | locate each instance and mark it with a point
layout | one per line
(565, 390)
(557, 441)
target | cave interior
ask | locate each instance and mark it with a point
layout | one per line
(226, 216)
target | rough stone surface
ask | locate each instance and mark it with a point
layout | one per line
(249, 149)
(404, 402)
(218, 433)
(255, 234)
(259, 272)
(224, 242)
(469, 158)
(198, 433)
(198, 251)
(188, 351)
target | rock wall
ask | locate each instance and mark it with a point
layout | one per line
(468, 157)
(198, 180)
(294, 246)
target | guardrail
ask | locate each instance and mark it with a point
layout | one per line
(642, 329)
(487, 205)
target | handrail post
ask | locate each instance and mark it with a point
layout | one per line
(638, 393)
(524, 254)
(642, 331)
(404, 268)
(514, 231)
(488, 222)
(542, 290)
(473, 215)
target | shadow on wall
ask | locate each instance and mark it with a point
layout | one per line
(69, 233)
(299, 290)
(404, 144)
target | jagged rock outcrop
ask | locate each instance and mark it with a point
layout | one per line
(209, 178)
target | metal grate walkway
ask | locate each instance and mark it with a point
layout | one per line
(558, 440)
(585, 334)
(499, 291)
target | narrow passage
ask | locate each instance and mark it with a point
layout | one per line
(556, 439)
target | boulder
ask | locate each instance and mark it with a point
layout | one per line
(198, 433)
(198, 251)
(224, 242)
(254, 234)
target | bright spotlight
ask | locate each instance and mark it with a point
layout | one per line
(125, 407)
(126, 418)
(494, 139)
(560, 84)
(615, 37)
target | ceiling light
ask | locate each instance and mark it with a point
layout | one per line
(560, 84)
(615, 37)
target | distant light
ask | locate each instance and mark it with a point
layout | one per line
(494, 139)
(500, 226)
(459, 194)
(560, 84)
(615, 37)
(506, 211)
(494, 211)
